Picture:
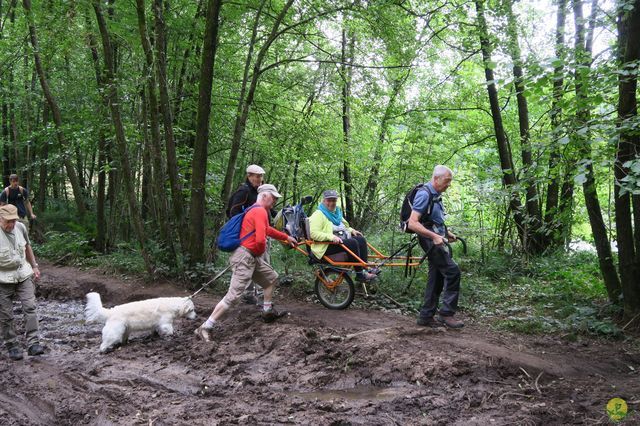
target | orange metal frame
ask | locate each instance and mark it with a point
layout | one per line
(329, 284)
(413, 260)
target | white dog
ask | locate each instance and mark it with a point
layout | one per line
(145, 315)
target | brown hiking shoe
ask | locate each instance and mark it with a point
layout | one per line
(204, 333)
(429, 322)
(449, 321)
(271, 315)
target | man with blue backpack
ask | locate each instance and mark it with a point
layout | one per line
(246, 236)
(423, 206)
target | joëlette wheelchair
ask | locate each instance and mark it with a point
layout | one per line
(334, 286)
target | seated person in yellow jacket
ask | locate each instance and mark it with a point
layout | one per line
(327, 224)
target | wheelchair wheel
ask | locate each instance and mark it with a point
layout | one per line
(334, 288)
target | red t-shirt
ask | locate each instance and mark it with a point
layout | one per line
(257, 219)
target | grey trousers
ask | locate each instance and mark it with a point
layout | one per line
(25, 292)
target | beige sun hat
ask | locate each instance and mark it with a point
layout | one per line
(254, 169)
(9, 212)
(268, 188)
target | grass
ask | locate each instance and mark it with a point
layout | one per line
(562, 293)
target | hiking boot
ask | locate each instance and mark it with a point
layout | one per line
(428, 322)
(450, 321)
(35, 349)
(249, 299)
(15, 353)
(365, 276)
(271, 315)
(203, 333)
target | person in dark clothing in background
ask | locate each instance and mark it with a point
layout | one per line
(19, 197)
(247, 194)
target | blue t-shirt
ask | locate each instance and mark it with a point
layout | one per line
(421, 202)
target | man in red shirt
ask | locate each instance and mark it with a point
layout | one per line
(247, 264)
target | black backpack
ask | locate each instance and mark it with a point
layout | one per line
(407, 207)
(242, 188)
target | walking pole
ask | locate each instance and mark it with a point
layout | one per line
(415, 272)
(210, 281)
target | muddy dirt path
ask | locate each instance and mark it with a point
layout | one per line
(316, 366)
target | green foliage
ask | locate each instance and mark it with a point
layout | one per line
(557, 293)
(66, 247)
(121, 261)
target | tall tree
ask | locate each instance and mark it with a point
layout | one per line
(582, 136)
(245, 101)
(504, 150)
(556, 221)
(162, 206)
(628, 157)
(167, 119)
(101, 223)
(534, 220)
(368, 209)
(199, 164)
(55, 111)
(346, 73)
(112, 98)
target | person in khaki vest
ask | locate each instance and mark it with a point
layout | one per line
(18, 268)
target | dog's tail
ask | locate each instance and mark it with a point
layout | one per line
(94, 313)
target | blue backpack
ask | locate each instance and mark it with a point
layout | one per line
(229, 236)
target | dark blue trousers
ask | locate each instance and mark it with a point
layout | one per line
(443, 279)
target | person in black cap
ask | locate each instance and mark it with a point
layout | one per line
(328, 224)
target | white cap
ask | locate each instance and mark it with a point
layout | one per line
(267, 187)
(255, 170)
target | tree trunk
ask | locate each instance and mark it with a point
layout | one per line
(346, 72)
(101, 225)
(148, 208)
(628, 150)
(55, 109)
(6, 168)
(199, 164)
(245, 104)
(184, 65)
(165, 109)
(598, 228)
(533, 219)
(504, 151)
(163, 218)
(111, 96)
(44, 158)
(556, 223)
(368, 209)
